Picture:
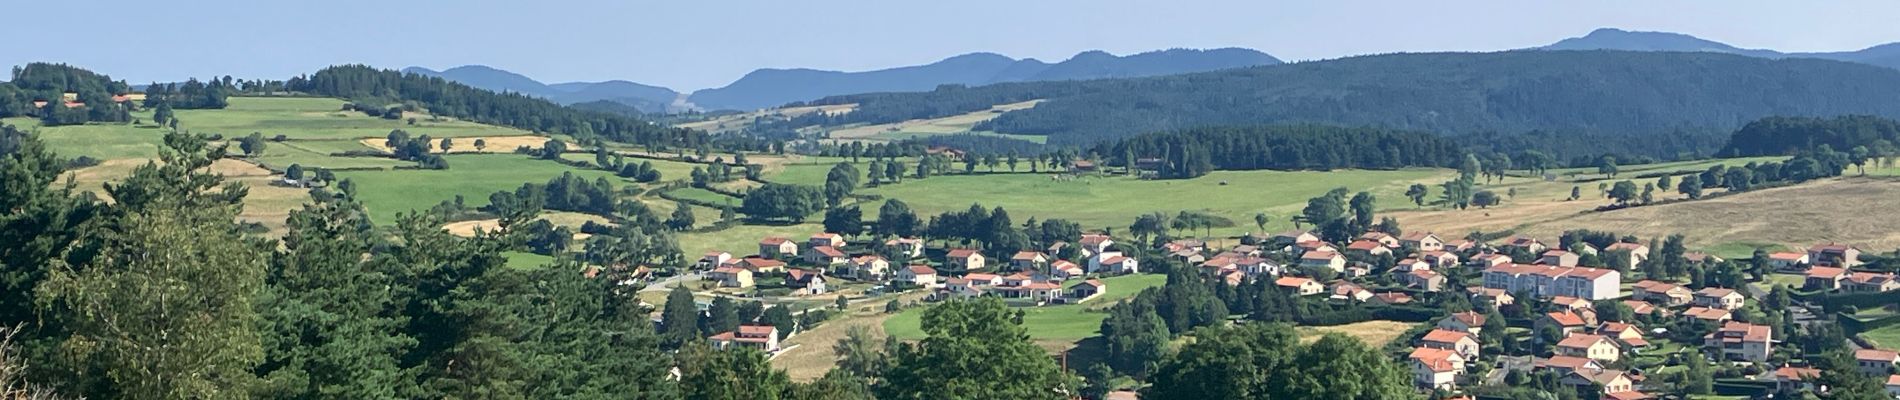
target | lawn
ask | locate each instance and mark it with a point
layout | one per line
(1058, 322)
(526, 260)
(704, 195)
(101, 141)
(1742, 249)
(319, 118)
(740, 240)
(473, 176)
(1098, 202)
(1884, 337)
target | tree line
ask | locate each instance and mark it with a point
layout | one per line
(1195, 152)
(444, 97)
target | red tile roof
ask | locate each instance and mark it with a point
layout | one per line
(774, 241)
(962, 253)
(1580, 341)
(922, 270)
(1445, 336)
(828, 251)
(1469, 318)
(1291, 281)
(1566, 318)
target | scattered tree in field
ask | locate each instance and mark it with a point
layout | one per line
(1417, 193)
(1691, 186)
(252, 145)
(1485, 199)
(481, 144)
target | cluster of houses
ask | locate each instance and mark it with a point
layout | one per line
(70, 99)
(1029, 275)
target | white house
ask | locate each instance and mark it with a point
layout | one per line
(919, 275)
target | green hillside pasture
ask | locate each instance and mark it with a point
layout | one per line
(474, 176)
(669, 170)
(319, 118)
(100, 141)
(280, 155)
(1058, 322)
(1098, 202)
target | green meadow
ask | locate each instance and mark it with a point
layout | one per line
(473, 176)
(1114, 201)
(319, 118)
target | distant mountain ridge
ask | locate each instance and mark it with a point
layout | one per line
(646, 98)
(773, 87)
(1885, 55)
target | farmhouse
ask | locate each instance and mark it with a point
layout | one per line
(762, 337)
(919, 275)
(778, 247)
(1581, 282)
(733, 277)
(1308, 247)
(1423, 241)
(1095, 243)
(1256, 266)
(1638, 253)
(1440, 259)
(1301, 286)
(1741, 341)
(1391, 298)
(964, 259)
(1834, 255)
(1714, 297)
(1323, 259)
(1796, 378)
(1410, 264)
(1290, 238)
(1639, 307)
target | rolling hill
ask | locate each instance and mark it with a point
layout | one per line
(647, 98)
(1594, 92)
(1885, 55)
(774, 87)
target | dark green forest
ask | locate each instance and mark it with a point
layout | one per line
(1789, 135)
(369, 85)
(1195, 152)
(1634, 94)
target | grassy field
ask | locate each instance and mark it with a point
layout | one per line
(743, 239)
(319, 118)
(278, 156)
(1886, 336)
(526, 260)
(473, 176)
(698, 194)
(1098, 202)
(960, 123)
(1785, 216)
(100, 141)
(1374, 333)
(1058, 322)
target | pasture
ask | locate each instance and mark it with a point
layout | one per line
(300, 118)
(472, 176)
(1099, 202)
(935, 126)
(1375, 333)
(1790, 217)
(101, 140)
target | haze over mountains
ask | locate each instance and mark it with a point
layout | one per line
(772, 87)
(1885, 55)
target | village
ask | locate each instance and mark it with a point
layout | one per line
(1515, 313)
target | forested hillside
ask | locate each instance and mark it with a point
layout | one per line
(1777, 136)
(773, 87)
(1594, 92)
(443, 97)
(1195, 152)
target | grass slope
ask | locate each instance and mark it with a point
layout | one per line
(473, 176)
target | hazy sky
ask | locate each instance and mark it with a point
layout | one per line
(695, 44)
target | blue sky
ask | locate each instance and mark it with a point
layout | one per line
(690, 45)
